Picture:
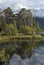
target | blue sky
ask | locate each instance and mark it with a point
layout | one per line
(37, 6)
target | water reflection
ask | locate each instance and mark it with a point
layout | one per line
(23, 49)
(23, 53)
(36, 59)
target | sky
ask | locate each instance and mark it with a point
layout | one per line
(37, 6)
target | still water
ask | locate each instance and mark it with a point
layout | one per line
(37, 58)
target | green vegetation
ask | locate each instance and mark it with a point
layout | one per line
(18, 28)
(23, 22)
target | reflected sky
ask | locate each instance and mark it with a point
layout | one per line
(37, 58)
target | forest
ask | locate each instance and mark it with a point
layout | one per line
(18, 32)
(21, 22)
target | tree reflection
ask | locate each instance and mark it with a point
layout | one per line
(22, 48)
(25, 49)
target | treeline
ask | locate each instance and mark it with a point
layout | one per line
(21, 22)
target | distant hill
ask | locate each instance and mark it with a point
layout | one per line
(40, 21)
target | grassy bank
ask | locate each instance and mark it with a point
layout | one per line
(6, 38)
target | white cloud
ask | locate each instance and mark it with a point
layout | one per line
(18, 4)
(0, 1)
(23, 3)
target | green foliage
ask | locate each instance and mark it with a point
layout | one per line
(12, 28)
(26, 30)
(8, 11)
(37, 28)
(2, 54)
(22, 23)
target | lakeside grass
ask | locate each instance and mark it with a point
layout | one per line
(6, 38)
